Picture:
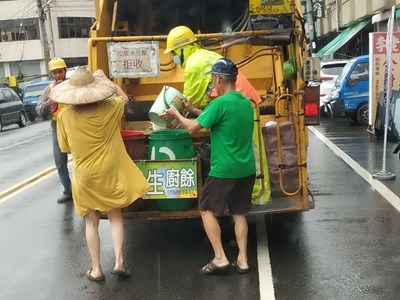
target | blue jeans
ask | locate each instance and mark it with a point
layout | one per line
(61, 161)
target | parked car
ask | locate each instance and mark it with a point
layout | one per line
(11, 108)
(330, 70)
(31, 96)
(349, 97)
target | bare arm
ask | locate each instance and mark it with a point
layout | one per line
(121, 93)
(189, 106)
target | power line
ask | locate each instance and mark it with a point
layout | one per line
(32, 11)
(12, 17)
(18, 19)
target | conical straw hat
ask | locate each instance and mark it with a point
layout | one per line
(82, 88)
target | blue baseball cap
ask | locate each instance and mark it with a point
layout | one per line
(223, 66)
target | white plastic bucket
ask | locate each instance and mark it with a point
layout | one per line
(168, 96)
(158, 127)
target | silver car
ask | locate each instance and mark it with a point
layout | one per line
(330, 70)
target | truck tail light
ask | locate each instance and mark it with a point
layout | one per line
(311, 105)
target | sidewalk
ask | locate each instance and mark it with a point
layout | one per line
(366, 150)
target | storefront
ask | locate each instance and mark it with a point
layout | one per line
(380, 20)
(351, 42)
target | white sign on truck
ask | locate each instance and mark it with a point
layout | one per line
(133, 59)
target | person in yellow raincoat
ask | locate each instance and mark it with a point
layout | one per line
(198, 89)
(105, 178)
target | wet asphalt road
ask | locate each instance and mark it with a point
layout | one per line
(24, 152)
(346, 248)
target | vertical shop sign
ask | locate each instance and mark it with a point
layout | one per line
(377, 71)
(318, 7)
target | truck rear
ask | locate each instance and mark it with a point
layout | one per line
(265, 39)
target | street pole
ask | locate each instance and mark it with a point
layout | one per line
(337, 16)
(311, 20)
(49, 28)
(43, 34)
(383, 174)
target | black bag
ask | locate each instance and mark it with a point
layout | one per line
(205, 158)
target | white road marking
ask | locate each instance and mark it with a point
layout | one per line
(376, 184)
(264, 264)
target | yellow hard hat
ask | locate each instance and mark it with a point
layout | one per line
(56, 63)
(178, 37)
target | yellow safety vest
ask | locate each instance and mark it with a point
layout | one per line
(60, 106)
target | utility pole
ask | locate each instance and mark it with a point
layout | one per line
(312, 30)
(43, 34)
(49, 28)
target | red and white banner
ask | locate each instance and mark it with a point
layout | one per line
(377, 70)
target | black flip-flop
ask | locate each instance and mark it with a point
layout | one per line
(89, 276)
(212, 268)
(239, 269)
(121, 274)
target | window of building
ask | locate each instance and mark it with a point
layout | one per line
(19, 30)
(76, 61)
(2, 70)
(74, 27)
(26, 68)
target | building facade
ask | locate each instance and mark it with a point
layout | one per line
(342, 30)
(30, 28)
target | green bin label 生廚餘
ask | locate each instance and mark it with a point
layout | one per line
(170, 179)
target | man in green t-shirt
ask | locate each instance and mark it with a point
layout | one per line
(231, 179)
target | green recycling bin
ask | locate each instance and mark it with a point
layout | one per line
(172, 144)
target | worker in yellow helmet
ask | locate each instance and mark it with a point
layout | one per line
(195, 61)
(46, 106)
(198, 88)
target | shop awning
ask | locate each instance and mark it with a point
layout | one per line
(345, 36)
(383, 16)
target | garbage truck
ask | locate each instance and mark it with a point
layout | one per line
(267, 42)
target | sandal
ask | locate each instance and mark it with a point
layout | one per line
(212, 268)
(121, 274)
(239, 269)
(89, 276)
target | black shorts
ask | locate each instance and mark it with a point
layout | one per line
(218, 193)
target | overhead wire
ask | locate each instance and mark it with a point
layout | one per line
(17, 19)
(60, 9)
(10, 18)
(29, 9)
(63, 9)
(23, 44)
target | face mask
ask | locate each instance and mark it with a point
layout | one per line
(176, 59)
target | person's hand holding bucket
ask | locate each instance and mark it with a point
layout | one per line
(169, 97)
(169, 113)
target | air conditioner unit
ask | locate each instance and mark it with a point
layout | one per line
(6, 37)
